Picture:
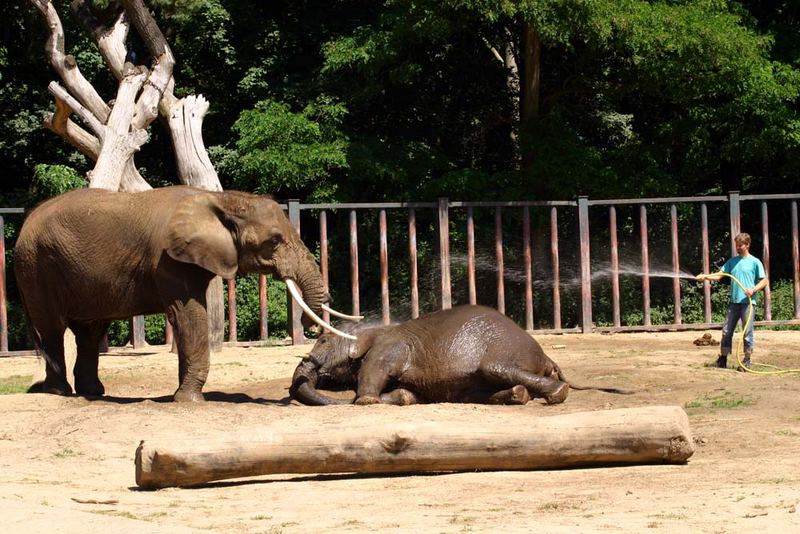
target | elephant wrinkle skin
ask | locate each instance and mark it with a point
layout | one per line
(91, 256)
(463, 354)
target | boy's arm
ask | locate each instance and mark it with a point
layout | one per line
(750, 291)
(712, 277)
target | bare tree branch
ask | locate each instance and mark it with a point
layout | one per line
(185, 116)
(65, 64)
(60, 123)
(77, 108)
(119, 141)
(186, 127)
(110, 41)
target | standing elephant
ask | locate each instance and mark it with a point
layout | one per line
(91, 256)
(464, 354)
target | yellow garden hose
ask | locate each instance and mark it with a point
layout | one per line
(775, 369)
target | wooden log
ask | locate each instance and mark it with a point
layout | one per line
(657, 434)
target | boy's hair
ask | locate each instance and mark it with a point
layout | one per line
(742, 238)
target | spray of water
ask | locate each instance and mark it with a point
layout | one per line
(569, 278)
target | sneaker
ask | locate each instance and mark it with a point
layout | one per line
(722, 362)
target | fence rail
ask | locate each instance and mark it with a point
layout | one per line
(545, 238)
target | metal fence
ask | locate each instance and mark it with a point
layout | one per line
(553, 266)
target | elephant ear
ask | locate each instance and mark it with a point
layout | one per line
(196, 234)
(364, 341)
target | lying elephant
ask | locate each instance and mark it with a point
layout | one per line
(464, 354)
(90, 256)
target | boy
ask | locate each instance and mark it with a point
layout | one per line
(750, 272)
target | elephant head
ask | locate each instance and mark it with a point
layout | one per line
(333, 364)
(234, 232)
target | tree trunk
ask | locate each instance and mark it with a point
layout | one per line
(530, 84)
(657, 434)
(185, 121)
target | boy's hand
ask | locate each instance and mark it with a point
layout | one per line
(700, 277)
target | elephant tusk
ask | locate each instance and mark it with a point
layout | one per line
(341, 315)
(295, 292)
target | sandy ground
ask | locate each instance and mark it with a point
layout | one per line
(67, 463)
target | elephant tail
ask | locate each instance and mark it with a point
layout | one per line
(618, 391)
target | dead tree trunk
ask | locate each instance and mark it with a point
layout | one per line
(115, 133)
(654, 434)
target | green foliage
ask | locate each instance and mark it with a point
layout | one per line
(278, 149)
(247, 308)
(52, 180)
(119, 333)
(782, 301)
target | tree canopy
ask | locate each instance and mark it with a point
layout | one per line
(414, 99)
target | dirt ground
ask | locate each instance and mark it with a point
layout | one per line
(67, 463)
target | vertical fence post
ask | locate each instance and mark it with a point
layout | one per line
(294, 312)
(795, 261)
(137, 337)
(498, 253)
(612, 232)
(471, 288)
(765, 260)
(354, 290)
(645, 264)
(168, 333)
(444, 252)
(3, 305)
(676, 265)
(586, 264)
(263, 308)
(735, 212)
(556, 274)
(232, 333)
(412, 262)
(706, 262)
(528, 258)
(323, 258)
(384, 253)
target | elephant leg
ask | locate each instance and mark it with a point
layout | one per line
(52, 347)
(189, 321)
(373, 377)
(552, 390)
(399, 397)
(516, 395)
(88, 337)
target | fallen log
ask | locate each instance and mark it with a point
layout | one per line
(657, 434)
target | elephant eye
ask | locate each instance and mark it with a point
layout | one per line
(274, 241)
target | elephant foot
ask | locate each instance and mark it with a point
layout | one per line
(54, 388)
(559, 395)
(399, 397)
(519, 395)
(367, 399)
(90, 388)
(516, 395)
(188, 396)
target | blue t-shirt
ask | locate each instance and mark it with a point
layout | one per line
(748, 270)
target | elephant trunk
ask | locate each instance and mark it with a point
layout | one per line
(303, 388)
(310, 283)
